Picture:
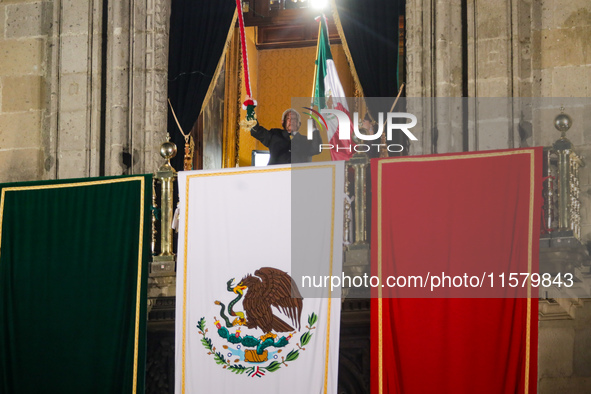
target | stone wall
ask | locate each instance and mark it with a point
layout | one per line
(561, 48)
(564, 352)
(24, 31)
(512, 49)
(83, 87)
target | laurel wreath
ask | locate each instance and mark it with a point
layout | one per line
(272, 366)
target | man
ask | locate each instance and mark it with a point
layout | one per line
(287, 145)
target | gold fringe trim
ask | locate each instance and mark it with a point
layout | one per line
(221, 61)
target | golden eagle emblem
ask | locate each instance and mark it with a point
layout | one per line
(266, 291)
(270, 287)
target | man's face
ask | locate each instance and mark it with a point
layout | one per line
(291, 122)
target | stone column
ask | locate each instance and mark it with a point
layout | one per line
(419, 65)
(118, 157)
(499, 65)
(156, 82)
(434, 70)
(74, 67)
(137, 65)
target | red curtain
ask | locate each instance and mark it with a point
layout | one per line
(470, 215)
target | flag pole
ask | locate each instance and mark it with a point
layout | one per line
(315, 66)
(384, 152)
(397, 97)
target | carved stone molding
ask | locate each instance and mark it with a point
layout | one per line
(137, 65)
(559, 308)
(161, 312)
(565, 256)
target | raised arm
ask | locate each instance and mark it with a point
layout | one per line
(261, 134)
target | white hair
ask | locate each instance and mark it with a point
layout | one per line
(287, 111)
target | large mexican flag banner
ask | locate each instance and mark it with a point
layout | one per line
(243, 320)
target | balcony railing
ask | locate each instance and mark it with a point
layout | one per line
(562, 207)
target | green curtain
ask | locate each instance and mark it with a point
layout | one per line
(73, 276)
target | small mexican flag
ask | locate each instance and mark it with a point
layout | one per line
(329, 93)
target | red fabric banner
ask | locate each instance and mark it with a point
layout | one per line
(474, 217)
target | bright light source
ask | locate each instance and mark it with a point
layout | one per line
(260, 158)
(319, 4)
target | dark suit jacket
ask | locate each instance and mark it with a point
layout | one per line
(285, 150)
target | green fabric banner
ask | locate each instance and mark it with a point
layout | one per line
(73, 277)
